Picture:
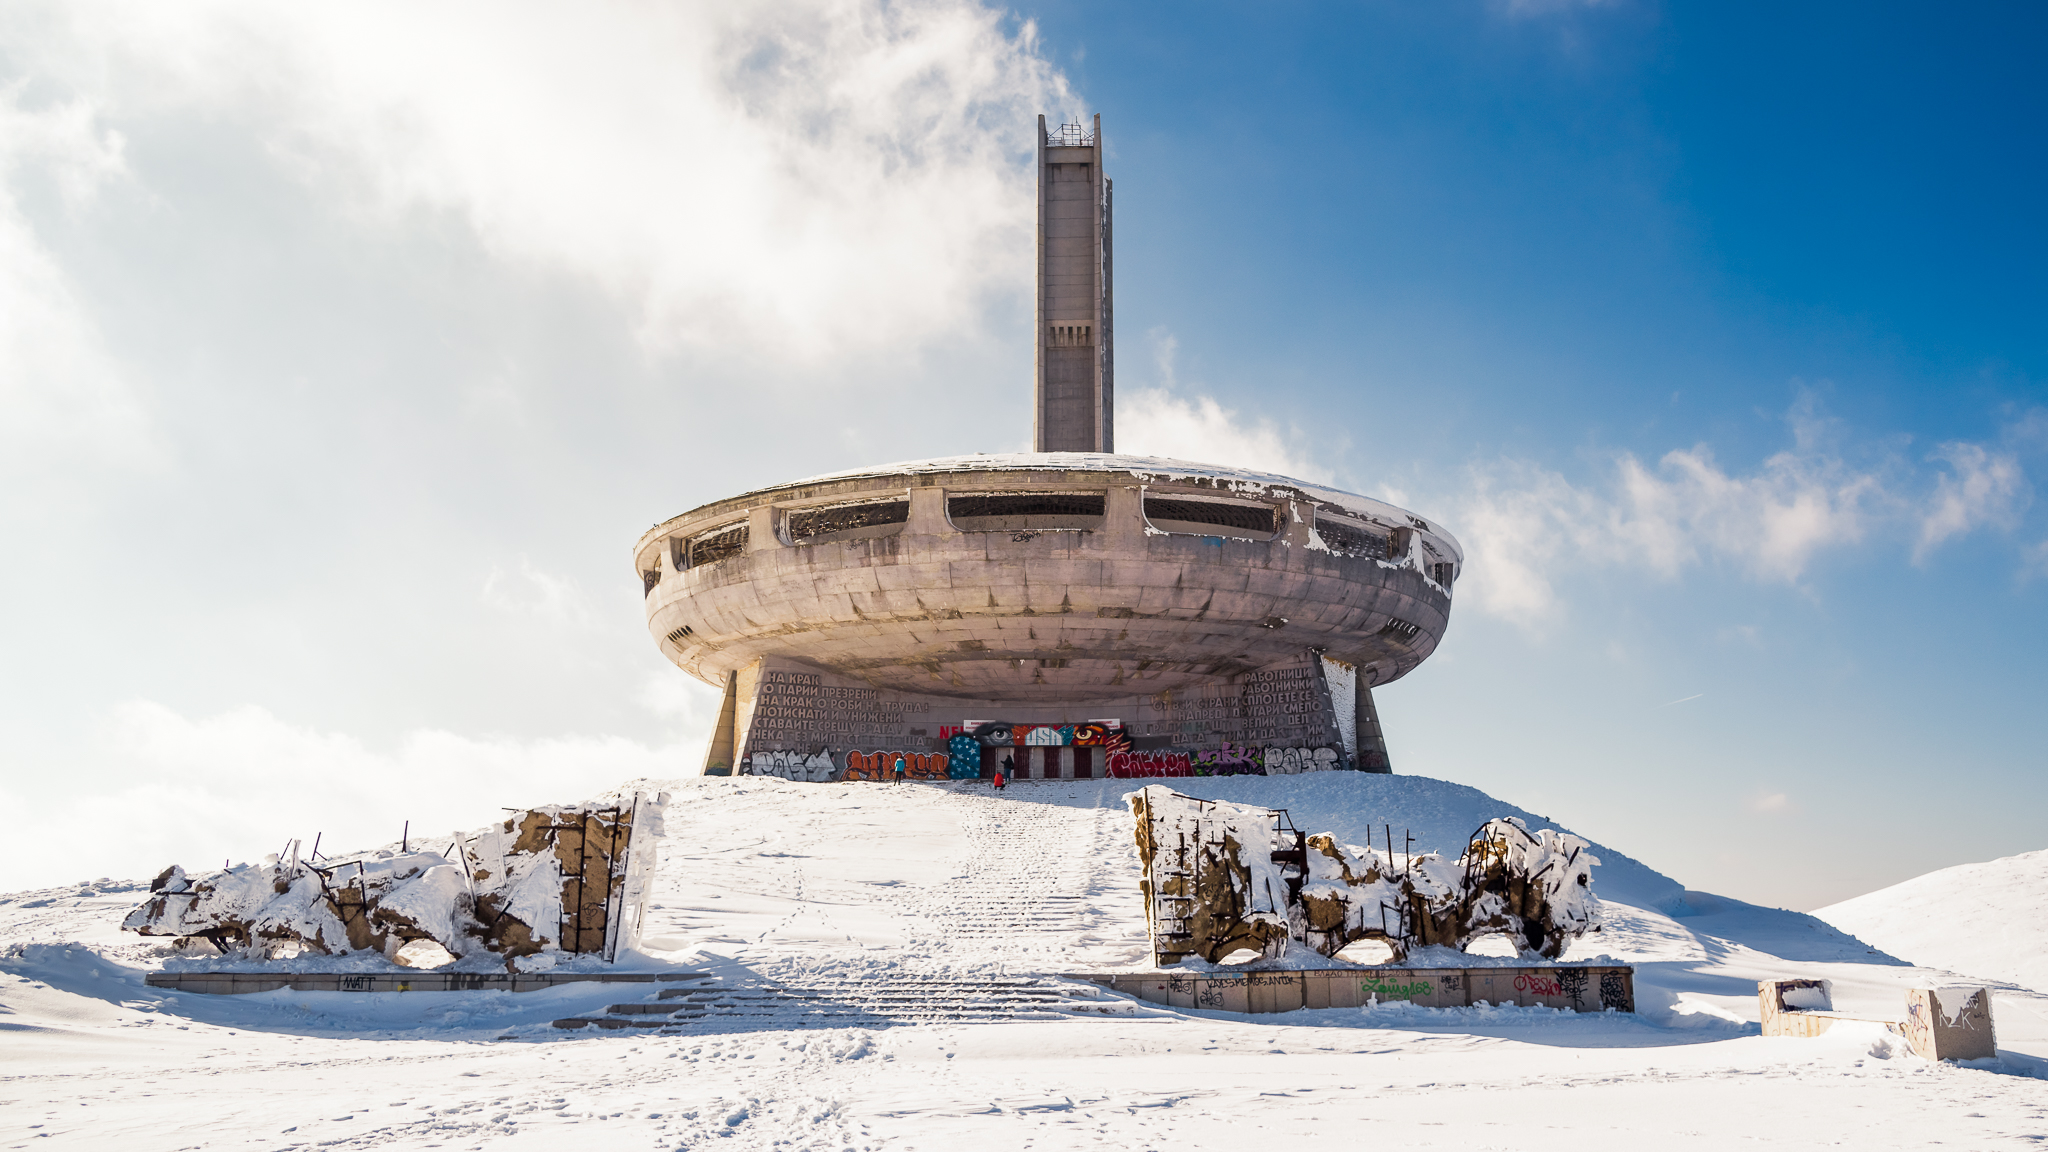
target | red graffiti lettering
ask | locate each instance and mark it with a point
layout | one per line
(1538, 985)
(1142, 765)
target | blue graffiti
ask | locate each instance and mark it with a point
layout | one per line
(964, 762)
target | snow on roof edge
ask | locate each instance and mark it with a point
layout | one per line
(1163, 467)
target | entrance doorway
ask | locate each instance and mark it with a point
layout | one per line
(1045, 762)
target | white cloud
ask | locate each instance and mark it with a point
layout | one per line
(1521, 523)
(1981, 487)
(241, 783)
(554, 600)
(1160, 421)
(1770, 803)
(798, 178)
(2034, 561)
(62, 397)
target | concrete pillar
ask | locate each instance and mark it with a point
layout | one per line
(1123, 517)
(718, 758)
(1372, 743)
(762, 531)
(928, 513)
(1301, 519)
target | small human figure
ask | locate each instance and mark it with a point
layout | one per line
(999, 780)
(1008, 766)
(896, 770)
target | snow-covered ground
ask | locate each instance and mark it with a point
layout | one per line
(866, 887)
(1988, 920)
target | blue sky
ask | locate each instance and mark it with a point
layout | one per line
(344, 355)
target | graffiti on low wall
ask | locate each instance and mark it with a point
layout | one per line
(1229, 760)
(1150, 765)
(813, 766)
(1399, 990)
(963, 757)
(886, 765)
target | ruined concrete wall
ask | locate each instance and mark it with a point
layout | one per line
(1207, 866)
(560, 878)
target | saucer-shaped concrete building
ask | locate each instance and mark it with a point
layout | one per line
(1065, 613)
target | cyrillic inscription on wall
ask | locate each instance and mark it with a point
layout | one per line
(1288, 705)
(800, 711)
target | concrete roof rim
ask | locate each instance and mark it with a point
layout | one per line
(1141, 468)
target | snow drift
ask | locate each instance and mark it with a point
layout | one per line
(1983, 920)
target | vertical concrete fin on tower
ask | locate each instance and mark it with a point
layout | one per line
(1372, 741)
(1073, 388)
(719, 757)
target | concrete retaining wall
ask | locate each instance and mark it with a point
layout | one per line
(242, 983)
(1581, 989)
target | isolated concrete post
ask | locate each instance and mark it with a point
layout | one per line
(762, 533)
(928, 513)
(1299, 528)
(1951, 1023)
(1123, 517)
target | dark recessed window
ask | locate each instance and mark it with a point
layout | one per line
(712, 547)
(1026, 504)
(1347, 540)
(1257, 518)
(806, 524)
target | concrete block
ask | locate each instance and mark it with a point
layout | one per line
(1801, 1008)
(1950, 1023)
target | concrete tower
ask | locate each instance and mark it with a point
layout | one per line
(1073, 395)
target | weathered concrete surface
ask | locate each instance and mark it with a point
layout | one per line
(1947, 1023)
(1053, 609)
(1950, 1023)
(1074, 402)
(244, 983)
(1582, 989)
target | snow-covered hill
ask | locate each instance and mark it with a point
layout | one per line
(767, 884)
(1986, 920)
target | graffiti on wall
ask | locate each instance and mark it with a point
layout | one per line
(1005, 734)
(816, 767)
(1149, 765)
(885, 765)
(963, 761)
(1229, 760)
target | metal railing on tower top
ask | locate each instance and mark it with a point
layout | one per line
(1070, 136)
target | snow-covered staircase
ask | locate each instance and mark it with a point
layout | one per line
(908, 999)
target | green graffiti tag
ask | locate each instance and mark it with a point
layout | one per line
(1406, 991)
